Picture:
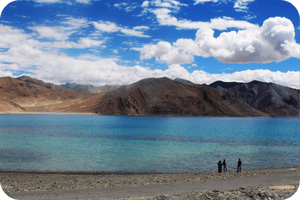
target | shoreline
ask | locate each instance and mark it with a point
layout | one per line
(136, 173)
(277, 184)
(83, 113)
(14, 182)
(46, 113)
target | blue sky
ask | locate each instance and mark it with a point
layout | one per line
(102, 42)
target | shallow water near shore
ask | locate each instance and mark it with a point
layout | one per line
(92, 143)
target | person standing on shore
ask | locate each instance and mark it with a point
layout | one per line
(239, 167)
(224, 166)
(220, 166)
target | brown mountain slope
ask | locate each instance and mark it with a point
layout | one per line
(28, 94)
(9, 106)
(277, 100)
(40, 83)
(79, 105)
(167, 97)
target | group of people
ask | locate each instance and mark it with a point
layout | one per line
(220, 164)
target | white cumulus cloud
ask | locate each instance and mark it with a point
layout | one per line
(145, 4)
(88, 69)
(11, 36)
(241, 5)
(106, 26)
(273, 41)
(165, 52)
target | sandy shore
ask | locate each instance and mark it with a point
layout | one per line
(14, 182)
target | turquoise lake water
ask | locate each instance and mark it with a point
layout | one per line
(93, 143)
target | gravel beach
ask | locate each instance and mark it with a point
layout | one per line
(30, 182)
(277, 192)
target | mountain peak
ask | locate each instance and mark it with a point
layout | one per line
(256, 82)
(224, 85)
(182, 80)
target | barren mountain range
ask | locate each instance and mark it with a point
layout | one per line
(153, 96)
(270, 98)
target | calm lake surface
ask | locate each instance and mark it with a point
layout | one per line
(93, 143)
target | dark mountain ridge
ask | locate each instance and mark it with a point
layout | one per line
(276, 100)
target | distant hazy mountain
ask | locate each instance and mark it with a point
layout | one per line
(164, 96)
(86, 88)
(276, 100)
(69, 85)
(80, 88)
(182, 80)
(89, 88)
(108, 88)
